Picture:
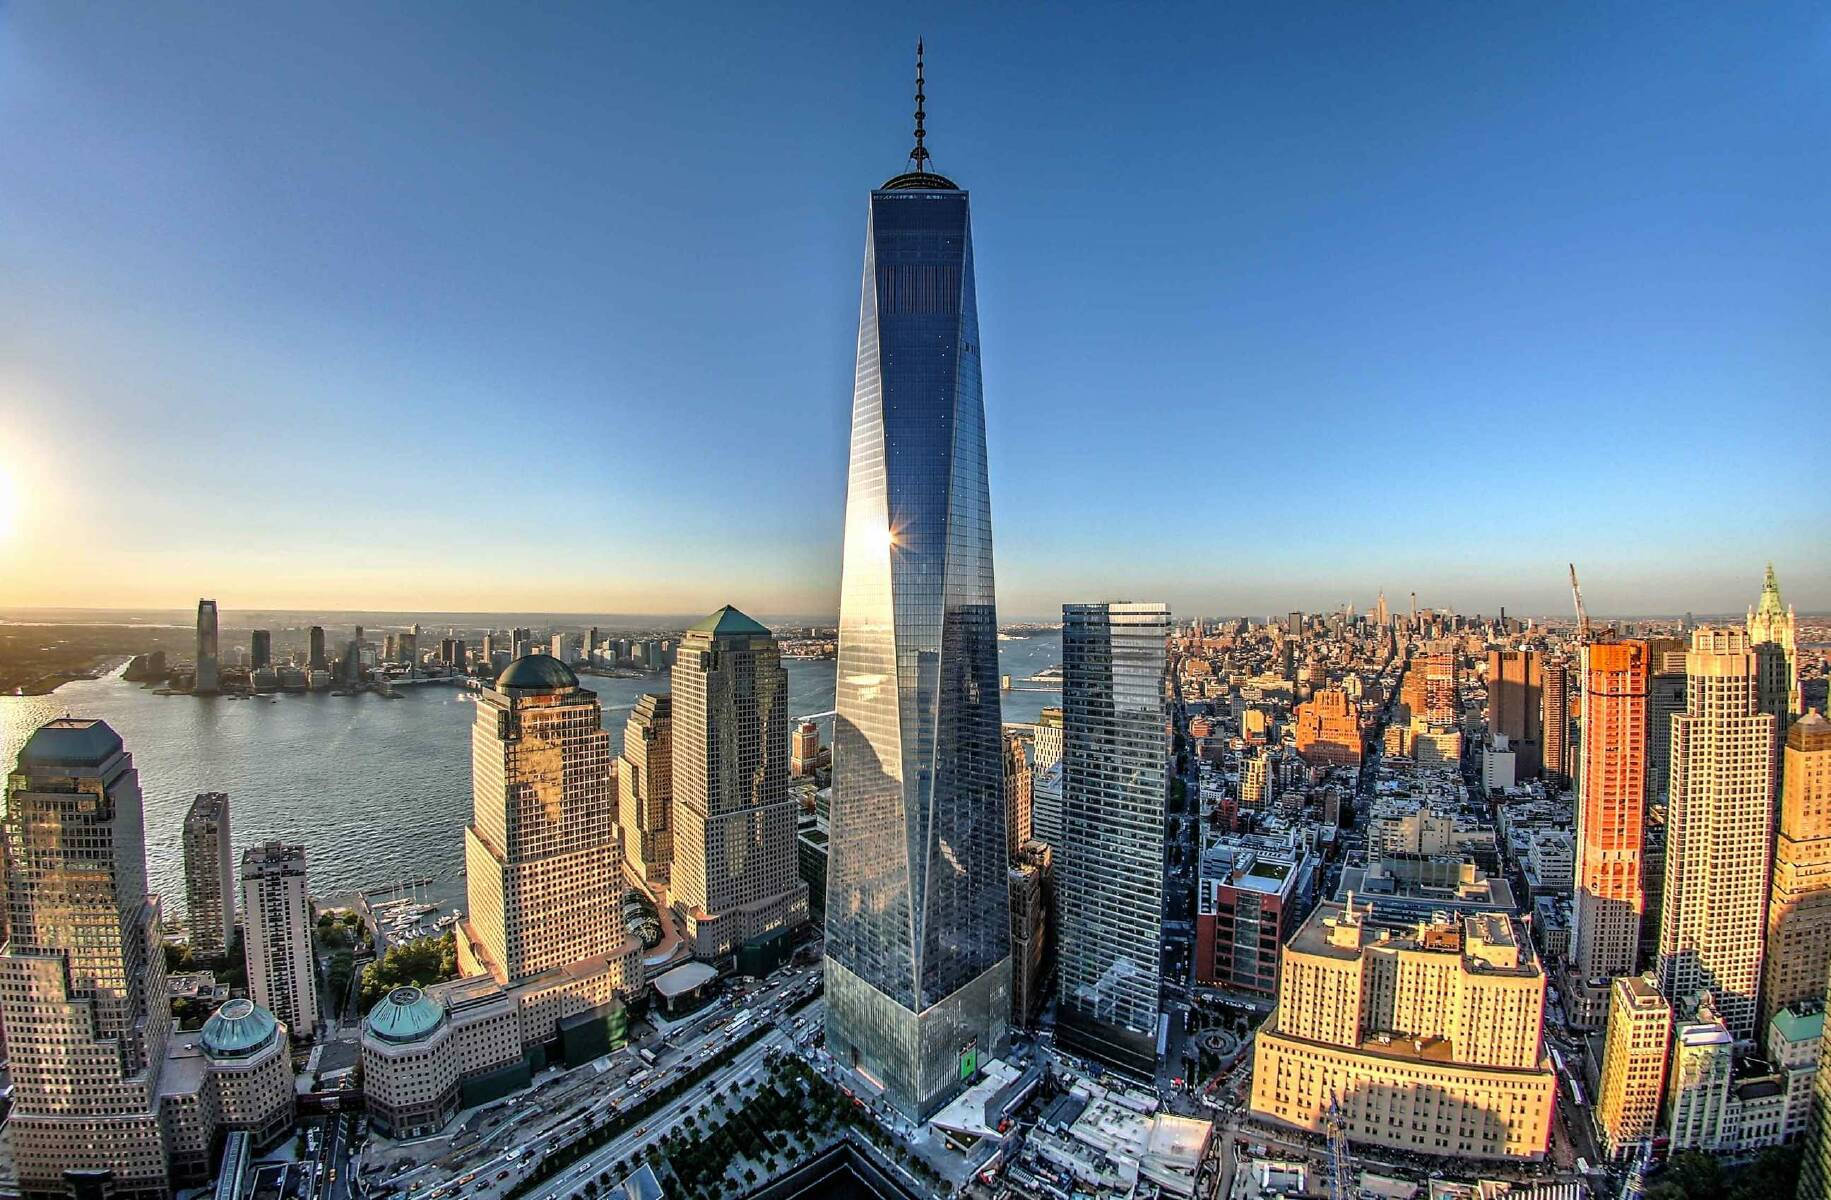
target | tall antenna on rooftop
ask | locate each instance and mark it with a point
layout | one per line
(919, 156)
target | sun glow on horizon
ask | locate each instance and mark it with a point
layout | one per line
(9, 504)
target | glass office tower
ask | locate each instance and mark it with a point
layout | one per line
(1109, 867)
(918, 930)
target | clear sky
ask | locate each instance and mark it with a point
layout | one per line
(549, 307)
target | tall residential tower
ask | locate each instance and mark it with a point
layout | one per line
(918, 962)
(1116, 758)
(277, 934)
(1611, 821)
(209, 875)
(1719, 825)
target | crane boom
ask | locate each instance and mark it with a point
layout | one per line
(1576, 594)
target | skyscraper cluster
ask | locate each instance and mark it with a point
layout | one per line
(1696, 763)
(104, 1089)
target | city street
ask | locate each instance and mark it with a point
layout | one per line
(525, 1127)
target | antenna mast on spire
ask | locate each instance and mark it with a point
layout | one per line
(919, 156)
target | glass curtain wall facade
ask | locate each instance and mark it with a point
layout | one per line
(918, 923)
(1116, 758)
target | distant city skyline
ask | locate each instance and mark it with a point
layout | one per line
(1349, 300)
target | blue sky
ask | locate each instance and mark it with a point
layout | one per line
(429, 306)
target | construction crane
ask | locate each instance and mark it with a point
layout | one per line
(1340, 1162)
(1582, 617)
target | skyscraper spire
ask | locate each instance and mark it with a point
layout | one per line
(919, 156)
(919, 176)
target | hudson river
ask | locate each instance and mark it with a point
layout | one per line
(378, 790)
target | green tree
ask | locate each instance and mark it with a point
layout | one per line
(1689, 1175)
(417, 963)
(1772, 1176)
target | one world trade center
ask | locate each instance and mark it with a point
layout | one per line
(918, 965)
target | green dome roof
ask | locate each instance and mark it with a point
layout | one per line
(238, 1029)
(406, 1014)
(537, 673)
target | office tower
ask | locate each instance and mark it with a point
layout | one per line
(277, 934)
(561, 647)
(645, 789)
(209, 670)
(1516, 703)
(1429, 1035)
(1379, 610)
(1414, 610)
(1329, 729)
(1611, 817)
(1293, 625)
(260, 649)
(1703, 1064)
(1019, 814)
(82, 977)
(804, 750)
(352, 662)
(409, 647)
(1719, 823)
(315, 660)
(1251, 892)
(1772, 623)
(542, 862)
(1799, 905)
(1555, 721)
(591, 645)
(489, 651)
(1032, 900)
(1633, 1066)
(918, 908)
(544, 958)
(1116, 755)
(734, 879)
(209, 875)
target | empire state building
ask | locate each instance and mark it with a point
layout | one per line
(918, 962)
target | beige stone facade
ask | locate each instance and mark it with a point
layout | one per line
(418, 1046)
(1429, 1036)
(1633, 1065)
(544, 874)
(545, 938)
(1799, 904)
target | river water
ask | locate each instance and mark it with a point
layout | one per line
(378, 790)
